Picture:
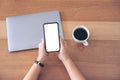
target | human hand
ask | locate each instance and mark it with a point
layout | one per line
(42, 53)
(63, 55)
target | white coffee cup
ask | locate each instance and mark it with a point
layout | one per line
(81, 34)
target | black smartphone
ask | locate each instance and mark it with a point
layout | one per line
(51, 37)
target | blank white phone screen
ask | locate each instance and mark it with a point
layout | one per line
(51, 35)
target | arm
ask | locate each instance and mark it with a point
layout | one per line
(72, 70)
(35, 70)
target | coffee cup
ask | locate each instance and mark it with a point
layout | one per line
(80, 34)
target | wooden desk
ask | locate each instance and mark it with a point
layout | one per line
(99, 61)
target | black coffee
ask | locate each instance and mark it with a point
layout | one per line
(80, 34)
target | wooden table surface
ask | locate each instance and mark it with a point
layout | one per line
(99, 61)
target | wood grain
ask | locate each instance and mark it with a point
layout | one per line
(71, 10)
(98, 30)
(3, 30)
(99, 61)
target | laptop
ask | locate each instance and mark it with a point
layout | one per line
(26, 31)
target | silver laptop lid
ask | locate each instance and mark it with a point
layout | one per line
(26, 31)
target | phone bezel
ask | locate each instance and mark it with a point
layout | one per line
(58, 36)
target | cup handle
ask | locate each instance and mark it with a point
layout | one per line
(85, 43)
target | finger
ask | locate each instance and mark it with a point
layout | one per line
(41, 43)
(62, 42)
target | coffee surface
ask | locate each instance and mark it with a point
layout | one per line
(80, 34)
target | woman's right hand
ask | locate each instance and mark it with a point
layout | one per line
(63, 54)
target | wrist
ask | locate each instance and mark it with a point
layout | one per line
(66, 60)
(40, 59)
(39, 63)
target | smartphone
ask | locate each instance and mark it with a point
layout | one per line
(51, 37)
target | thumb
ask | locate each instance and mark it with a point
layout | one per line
(62, 42)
